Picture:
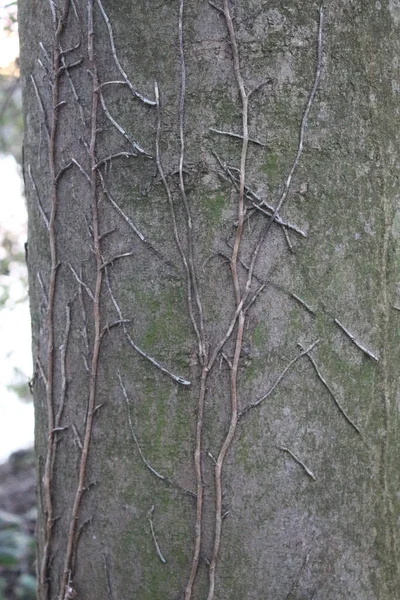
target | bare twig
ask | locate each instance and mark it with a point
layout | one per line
(41, 209)
(63, 353)
(108, 582)
(336, 401)
(355, 342)
(178, 241)
(81, 282)
(116, 59)
(300, 462)
(153, 535)
(91, 407)
(81, 169)
(114, 258)
(176, 378)
(304, 304)
(121, 130)
(109, 158)
(303, 127)
(41, 106)
(236, 135)
(145, 461)
(278, 380)
(119, 210)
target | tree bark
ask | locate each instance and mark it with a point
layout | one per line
(214, 282)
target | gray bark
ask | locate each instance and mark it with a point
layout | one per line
(127, 308)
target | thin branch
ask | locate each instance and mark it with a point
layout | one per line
(122, 131)
(190, 256)
(72, 540)
(112, 260)
(303, 127)
(63, 353)
(119, 210)
(240, 299)
(81, 169)
(109, 158)
(278, 380)
(153, 535)
(116, 59)
(355, 342)
(82, 283)
(177, 239)
(300, 462)
(236, 135)
(326, 384)
(145, 461)
(41, 209)
(142, 353)
(42, 288)
(254, 198)
(54, 263)
(112, 325)
(108, 582)
(41, 106)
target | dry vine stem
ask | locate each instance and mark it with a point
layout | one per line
(51, 444)
(67, 573)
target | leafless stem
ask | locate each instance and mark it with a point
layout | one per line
(81, 282)
(41, 209)
(278, 380)
(303, 128)
(51, 444)
(328, 387)
(355, 342)
(112, 260)
(108, 582)
(153, 361)
(116, 59)
(153, 535)
(221, 456)
(177, 239)
(236, 135)
(63, 352)
(190, 256)
(111, 157)
(119, 210)
(91, 408)
(40, 102)
(145, 461)
(121, 130)
(299, 462)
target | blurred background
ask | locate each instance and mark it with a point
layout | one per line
(17, 478)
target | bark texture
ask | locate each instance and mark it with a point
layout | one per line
(214, 266)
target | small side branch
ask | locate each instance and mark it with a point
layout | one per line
(145, 461)
(153, 535)
(236, 136)
(299, 462)
(278, 380)
(82, 283)
(41, 209)
(116, 59)
(355, 342)
(119, 210)
(121, 130)
(325, 383)
(41, 106)
(142, 353)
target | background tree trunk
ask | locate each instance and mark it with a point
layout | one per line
(215, 316)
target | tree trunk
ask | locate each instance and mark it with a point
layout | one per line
(214, 262)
